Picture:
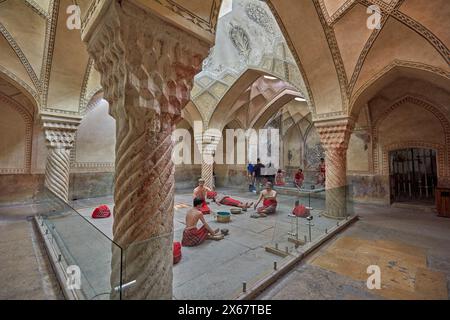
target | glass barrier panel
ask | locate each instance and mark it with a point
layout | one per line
(84, 253)
(146, 269)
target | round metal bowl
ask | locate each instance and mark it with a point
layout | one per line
(236, 210)
(223, 216)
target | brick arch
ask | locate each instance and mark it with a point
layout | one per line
(399, 66)
(28, 120)
(436, 111)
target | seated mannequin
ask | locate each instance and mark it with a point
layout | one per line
(269, 203)
(229, 201)
(279, 178)
(201, 192)
(192, 236)
(300, 210)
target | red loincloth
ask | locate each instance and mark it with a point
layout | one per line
(101, 212)
(211, 194)
(228, 201)
(193, 237)
(205, 209)
(269, 205)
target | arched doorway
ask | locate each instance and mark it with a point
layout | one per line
(413, 175)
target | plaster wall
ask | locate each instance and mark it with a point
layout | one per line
(94, 148)
(13, 140)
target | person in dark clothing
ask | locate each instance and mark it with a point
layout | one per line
(257, 173)
(250, 178)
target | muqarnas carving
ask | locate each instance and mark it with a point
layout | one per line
(259, 15)
(240, 40)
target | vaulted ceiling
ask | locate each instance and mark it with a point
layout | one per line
(44, 58)
(49, 63)
(340, 57)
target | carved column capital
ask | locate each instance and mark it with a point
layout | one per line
(208, 142)
(59, 131)
(60, 136)
(335, 134)
(144, 62)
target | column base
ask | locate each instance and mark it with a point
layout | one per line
(336, 203)
(335, 215)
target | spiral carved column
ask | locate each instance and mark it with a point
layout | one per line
(208, 142)
(207, 174)
(147, 69)
(60, 136)
(335, 135)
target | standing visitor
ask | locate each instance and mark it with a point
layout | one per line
(250, 178)
(257, 173)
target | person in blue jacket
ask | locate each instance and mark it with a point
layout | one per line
(250, 177)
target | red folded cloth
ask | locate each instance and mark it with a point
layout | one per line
(176, 252)
(101, 212)
(205, 209)
(300, 211)
(193, 236)
(211, 194)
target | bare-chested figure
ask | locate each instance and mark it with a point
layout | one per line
(201, 192)
(269, 197)
(192, 236)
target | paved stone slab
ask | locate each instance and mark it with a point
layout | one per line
(25, 272)
(225, 281)
(312, 283)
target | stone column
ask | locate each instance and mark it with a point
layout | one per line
(147, 68)
(207, 173)
(60, 136)
(335, 135)
(208, 142)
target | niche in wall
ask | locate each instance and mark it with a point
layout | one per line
(16, 134)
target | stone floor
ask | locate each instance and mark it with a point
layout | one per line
(217, 269)
(26, 272)
(410, 247)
